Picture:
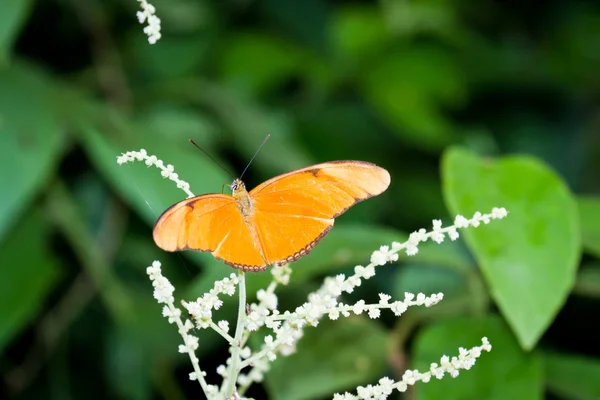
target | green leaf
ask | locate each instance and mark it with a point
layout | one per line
(413, 278)
(172, 57)
(589, 213)
(292, 15)
(449, 254)
(250, 123)
(358, 32)
(177, 124)
(530, 258)
(12, 16)
(260, 62)
(572, 377)
(334, 356)
(32, 139)
(431, 18)
(27, 275)
(504, 373)
(409, 89)
(445, 268)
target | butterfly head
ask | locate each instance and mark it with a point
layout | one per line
(237, 187)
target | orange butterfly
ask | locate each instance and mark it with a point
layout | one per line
(276, 223)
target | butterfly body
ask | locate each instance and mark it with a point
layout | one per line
(277, 222)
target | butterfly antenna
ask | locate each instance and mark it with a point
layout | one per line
(209, 156)
(255, 154)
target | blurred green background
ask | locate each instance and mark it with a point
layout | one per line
(469, 105)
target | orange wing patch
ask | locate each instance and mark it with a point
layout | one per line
(294, 211)
(209, 223)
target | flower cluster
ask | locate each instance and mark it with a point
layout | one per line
(201, 310)
(163, 293)
(287, 327)
(166, 172)
(148, 15)
(438, 235)
(385, 387)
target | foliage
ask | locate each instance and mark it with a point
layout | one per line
(468, 105)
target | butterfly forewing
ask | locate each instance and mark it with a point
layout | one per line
(295, 210)
(209, 223)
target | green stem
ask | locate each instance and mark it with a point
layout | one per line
(237, 345)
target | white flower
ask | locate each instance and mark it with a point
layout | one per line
(163, 290)
(384, 298)
(282, 274)
(245, 352)
(149, 160)
(452, 233)
(148, 15)
(398, 308)
(269, 300)
(475, 220)
(378, 258)
(461, 222)
(359, 307)
(224, 325)
(499, 213)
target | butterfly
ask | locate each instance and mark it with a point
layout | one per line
(275, 223)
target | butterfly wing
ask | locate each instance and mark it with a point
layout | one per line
(292, 212)
(210, 223)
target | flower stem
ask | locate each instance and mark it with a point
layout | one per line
(237, 345)
(193, 358)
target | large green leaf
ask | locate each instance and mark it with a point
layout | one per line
(27, 274)
(12, 16)
(335, 356)
(589, 212)
(505, 373)
(530, 258)
(30, 139)
(572, 377)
